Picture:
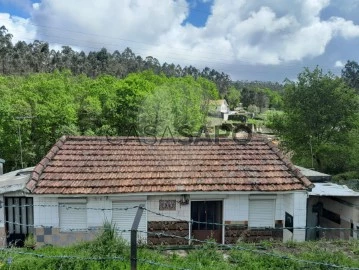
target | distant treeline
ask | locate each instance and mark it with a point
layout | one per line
(36, 57)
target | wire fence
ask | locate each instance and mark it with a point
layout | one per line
(168, 266)
(166, 218)
(163, 233)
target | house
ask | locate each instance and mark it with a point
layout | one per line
(219, 108)
(190, 189)
(16, 207)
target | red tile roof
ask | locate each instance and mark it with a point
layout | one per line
(100, 165)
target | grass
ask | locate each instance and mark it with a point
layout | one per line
(99, 254)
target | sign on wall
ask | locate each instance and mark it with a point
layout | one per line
(167, 205)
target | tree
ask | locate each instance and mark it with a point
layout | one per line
(320, 110)
(350, 74)
(248, 96)
(5, 48)
(233, 97)
(275, 99)
(178, 106)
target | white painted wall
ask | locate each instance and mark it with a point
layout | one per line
(96, 217)
(295, 204)
(279, 207)
(288, 206)
(47, 215)
(182, 212)
(300, 215)
(235, 208)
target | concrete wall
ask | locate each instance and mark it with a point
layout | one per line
(295, 204)
(183, 211)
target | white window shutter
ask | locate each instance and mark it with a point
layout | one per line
(123, 219)
(72, 216)
(261, 213)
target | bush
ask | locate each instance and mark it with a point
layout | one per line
(108, 243)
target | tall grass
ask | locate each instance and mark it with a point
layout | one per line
(98, 254)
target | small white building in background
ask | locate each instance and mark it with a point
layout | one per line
(218, 108)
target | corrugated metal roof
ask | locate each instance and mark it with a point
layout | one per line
(99, 165)
(332, 189)
(15, 180)
(314, 176)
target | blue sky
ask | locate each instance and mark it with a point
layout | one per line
(198, 13)
(250, 40)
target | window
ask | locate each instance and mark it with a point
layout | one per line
(261, 213)
(72, 216)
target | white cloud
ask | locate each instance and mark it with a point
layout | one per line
(237, 32)
(339, 64)
(20, 28)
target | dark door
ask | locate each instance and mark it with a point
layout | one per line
(19, 219)
(207, 220)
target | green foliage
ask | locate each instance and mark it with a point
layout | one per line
(320, 111)
(233, 97)
(275, 99)
(30, 241)
(350, 74)
(263, 98)
(175, 107)
(265, 255)
(207, 256)
(108, 243)
(28, 58)
(45, 106)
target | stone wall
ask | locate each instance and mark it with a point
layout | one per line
(176, 228)
(159, 232)
(239, 231)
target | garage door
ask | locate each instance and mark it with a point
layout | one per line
(123, 219)
(261, 213)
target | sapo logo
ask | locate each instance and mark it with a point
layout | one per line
(240, 134)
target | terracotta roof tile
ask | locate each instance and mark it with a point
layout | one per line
(100, 165)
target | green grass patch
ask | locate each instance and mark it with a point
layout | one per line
(108, 251)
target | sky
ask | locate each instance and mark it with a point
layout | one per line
(267, 40)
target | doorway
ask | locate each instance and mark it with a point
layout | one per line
(207, 220)
(19, 220)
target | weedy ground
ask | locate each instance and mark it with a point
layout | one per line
(108, 251)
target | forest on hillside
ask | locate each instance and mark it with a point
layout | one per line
(47, 93)
(24, 58)
(45, 106)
